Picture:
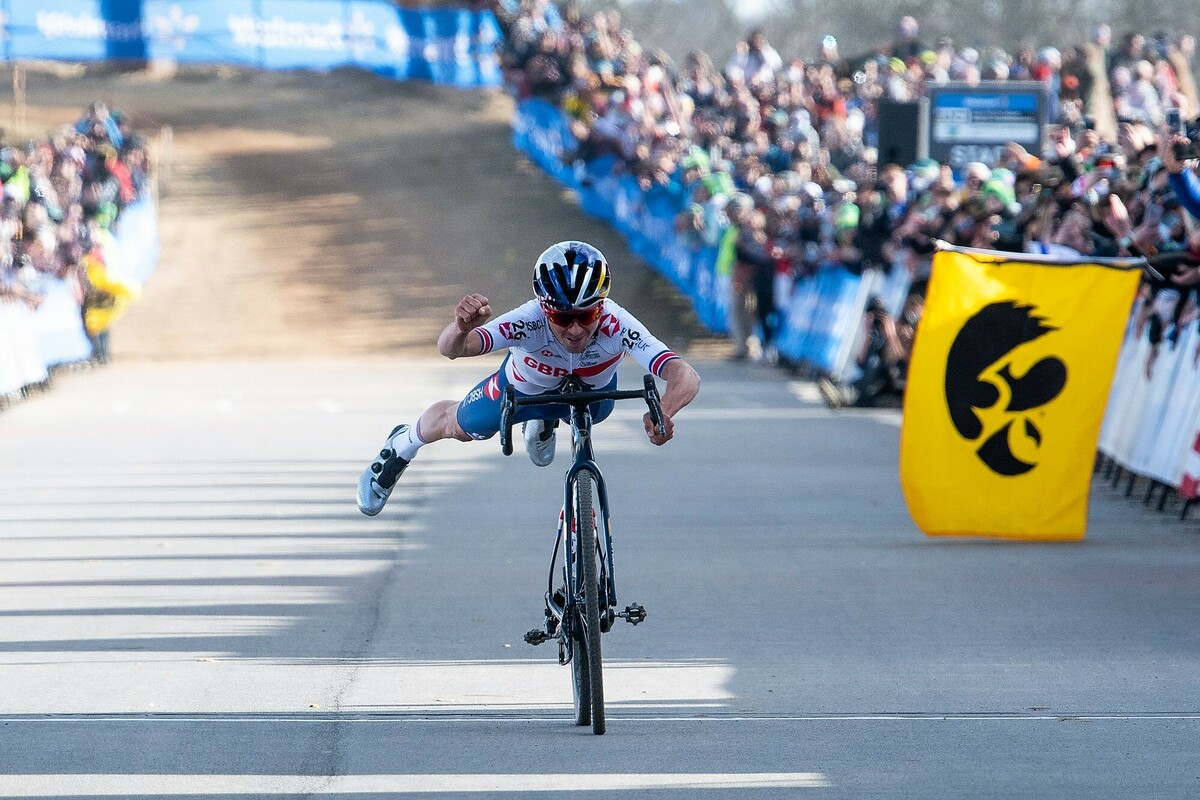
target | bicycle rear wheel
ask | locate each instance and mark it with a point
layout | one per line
(588, 579)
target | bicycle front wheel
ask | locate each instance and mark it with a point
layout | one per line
(581, 682)
(588, 581)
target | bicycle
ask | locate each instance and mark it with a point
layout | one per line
(584, 607)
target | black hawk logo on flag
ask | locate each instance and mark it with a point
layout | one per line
(985, 340)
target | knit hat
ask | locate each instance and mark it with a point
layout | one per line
(846, 216)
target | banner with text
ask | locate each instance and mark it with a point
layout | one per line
(447, 46)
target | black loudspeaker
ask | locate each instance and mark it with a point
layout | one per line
(901, 133)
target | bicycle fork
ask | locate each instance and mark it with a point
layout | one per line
(556, 600)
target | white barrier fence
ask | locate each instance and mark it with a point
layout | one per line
(1153, 413)
(21, 362)
(34, 341)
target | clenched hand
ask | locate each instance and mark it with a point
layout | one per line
(471, 312)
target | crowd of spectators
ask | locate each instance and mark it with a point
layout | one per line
(61, 199)
(775, 161)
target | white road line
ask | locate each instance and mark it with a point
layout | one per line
(116, 785)
(493, 715)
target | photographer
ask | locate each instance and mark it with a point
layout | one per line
(882, 357)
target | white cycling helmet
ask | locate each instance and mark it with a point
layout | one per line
(571, 276)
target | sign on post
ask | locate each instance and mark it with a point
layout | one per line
(974, 122)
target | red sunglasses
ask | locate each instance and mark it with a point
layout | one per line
(585, 317)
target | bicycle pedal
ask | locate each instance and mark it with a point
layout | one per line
(536, 637)
(633, 614)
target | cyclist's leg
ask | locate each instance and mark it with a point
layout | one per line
(477, 416)
(440, 421)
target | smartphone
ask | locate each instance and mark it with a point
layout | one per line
(1175, 122)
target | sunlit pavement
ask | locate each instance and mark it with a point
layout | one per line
(192, 606)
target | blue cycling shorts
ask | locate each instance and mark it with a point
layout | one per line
(479, 411)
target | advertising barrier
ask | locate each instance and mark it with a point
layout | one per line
(32, 341)
(446, 46)
(1153, 413)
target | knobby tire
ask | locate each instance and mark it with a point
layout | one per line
(581, 685)
(589, 580)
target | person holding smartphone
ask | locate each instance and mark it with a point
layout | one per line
(1177, 151)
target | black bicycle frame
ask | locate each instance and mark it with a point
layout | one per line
(574, 394)
(581, 430)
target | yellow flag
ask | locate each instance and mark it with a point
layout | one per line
(1006, 390)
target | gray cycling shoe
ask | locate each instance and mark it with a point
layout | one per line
(376, 483)
(539, 440)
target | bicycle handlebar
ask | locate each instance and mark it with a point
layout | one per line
(511, 402)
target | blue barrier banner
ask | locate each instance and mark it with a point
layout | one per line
(126, 39)
(216, 31)
(65, 29)
(295, 34)
(372, 37)
(450, 46)
(680, 266)
(541, 131)
(454, 63)
(658, 231)
(598, 187)
(711, 291)
(486, 36)
(628, 206)
(416, 59)
(822, 313)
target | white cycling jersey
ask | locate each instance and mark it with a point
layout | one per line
(538, 362)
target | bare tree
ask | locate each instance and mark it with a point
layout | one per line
(862, 26)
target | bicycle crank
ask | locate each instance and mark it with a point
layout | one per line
(633, 614)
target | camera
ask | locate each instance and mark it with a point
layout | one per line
(1178, 127)
(877, 312)
(1175, 122)
(1188, 149)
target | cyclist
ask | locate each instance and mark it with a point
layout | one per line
(569, 328)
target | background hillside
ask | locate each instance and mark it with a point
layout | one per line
(338, 214)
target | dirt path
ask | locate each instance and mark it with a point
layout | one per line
(338, 214)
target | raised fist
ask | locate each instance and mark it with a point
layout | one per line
(471, 312)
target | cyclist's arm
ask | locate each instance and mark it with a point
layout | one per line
(683, 384)
(459, 338)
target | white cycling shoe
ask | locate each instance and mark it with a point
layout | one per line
(377, 481)
(539, 440)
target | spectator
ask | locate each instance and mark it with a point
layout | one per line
(1183, 181)
(882, 358)
(752, 257)
(795, 142)
(907, 46)
(62, 198)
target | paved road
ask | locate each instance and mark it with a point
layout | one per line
(193, 607)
